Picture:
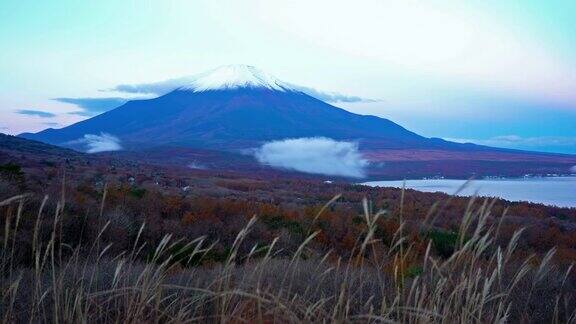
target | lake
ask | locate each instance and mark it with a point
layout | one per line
(556, 191)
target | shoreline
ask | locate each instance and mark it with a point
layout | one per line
(547, 192)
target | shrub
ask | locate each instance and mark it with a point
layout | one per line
(444, 242)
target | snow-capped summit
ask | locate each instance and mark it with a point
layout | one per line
(235, 76)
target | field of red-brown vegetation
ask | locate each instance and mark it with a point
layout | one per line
(228, 237)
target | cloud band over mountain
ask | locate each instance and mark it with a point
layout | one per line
(93, 106)
(163, 87)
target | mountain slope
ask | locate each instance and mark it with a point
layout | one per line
(19, 146)
(234, 118)
(233, 107)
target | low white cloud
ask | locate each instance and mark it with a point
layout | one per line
(100, 143)
(318, 155)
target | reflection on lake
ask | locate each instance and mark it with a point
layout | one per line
(557, 191)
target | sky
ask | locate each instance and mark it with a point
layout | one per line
(494, 72)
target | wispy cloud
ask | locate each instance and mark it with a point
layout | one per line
(330, 96)
(93, 106)
(99, 143)
(197, 166)
(37, 113)
(82, 113)
(163, 87)
(156, 88)
(52, 124)
(314, 155)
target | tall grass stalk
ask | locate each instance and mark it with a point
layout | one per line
(479, 282)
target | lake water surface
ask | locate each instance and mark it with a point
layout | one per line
(557, 191)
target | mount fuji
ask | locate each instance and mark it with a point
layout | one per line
(233, 107)
(238, 107)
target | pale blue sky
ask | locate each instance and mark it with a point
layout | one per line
(494, 72)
